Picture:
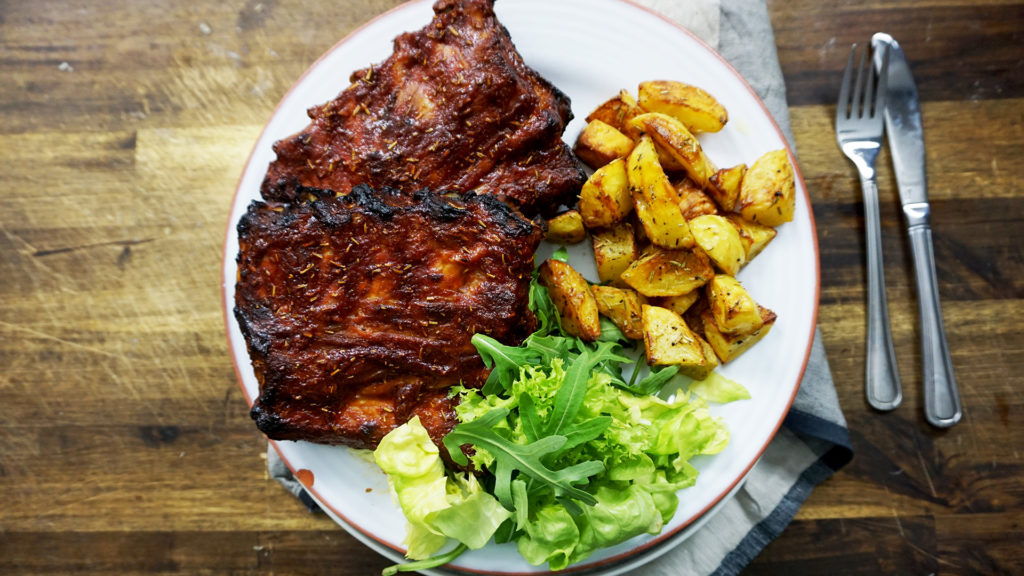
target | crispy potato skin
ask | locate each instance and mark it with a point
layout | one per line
(667, 338)
(721, 241)
(729, 346)
(732, 307)
(655, 200)
(623, 307)
(693, 201)
(566, 228)
(678, 304)
(668, 272)
(701, 371)
(617, 112)
(672, 138)
(768, 192)
(754, 236)
(694, 107)
(615, 249)
(668, 341)
(605, 199)
(571, 295)
(600, 143)
(725, 186)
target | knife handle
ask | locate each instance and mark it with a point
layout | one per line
(882, 378)
(941, 397)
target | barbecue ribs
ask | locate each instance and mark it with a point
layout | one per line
(358, 310)
(453, 108)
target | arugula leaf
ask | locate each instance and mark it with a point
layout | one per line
(550, 347)
(521, 501)
(426, 563)
(511, 457)
(586, 431)
(504, 361)
(544, 308)
(656, 380)
(610, 332)
(532, 427)
(574, 387)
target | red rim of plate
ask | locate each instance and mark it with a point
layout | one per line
(654, 542)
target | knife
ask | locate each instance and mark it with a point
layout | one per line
(906, 145)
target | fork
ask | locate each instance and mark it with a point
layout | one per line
(859, 127)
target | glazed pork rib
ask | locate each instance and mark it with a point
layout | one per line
(358, 310)
(453, 108)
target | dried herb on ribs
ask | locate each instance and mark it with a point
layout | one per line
(453, 108)
(358, 310)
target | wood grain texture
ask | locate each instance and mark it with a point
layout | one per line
(125, 443)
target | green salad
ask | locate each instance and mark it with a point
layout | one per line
(571, 455)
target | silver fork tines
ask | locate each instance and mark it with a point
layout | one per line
(859, 128)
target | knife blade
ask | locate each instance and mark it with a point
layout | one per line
(906, 146)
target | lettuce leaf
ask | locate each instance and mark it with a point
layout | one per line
(436, 507)
(641, 445)
(719, 389)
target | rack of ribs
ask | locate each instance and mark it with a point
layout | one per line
(392, 230)
(358, 310)
(453, 108)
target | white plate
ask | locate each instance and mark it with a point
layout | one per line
(590, 49)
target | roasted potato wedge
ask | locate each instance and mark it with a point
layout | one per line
(605, 198)
(695, 108)
(693, 201)
(599, 144)
(721, 241)
(668, 341)
(672, 138)
(621, 306)
(732, 307)
(668, 273)
(754, 236)
(654, 198)
(617, 112)
(768, 191)
(571, 295)
(725, 186)
(566, 228)
(728, 346)
(642, 241)
(678, 304)
(614, 250)
(711, 362)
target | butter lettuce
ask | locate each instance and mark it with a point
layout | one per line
(436, 506)
(719, 389)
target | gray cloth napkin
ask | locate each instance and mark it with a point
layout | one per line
(813, 442)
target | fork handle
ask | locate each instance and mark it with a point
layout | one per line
(882, 379)
(941, 397)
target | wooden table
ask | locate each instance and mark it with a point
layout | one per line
(125, 443)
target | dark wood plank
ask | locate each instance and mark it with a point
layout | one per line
(182, 552)
(960, 51)
(883, 545)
